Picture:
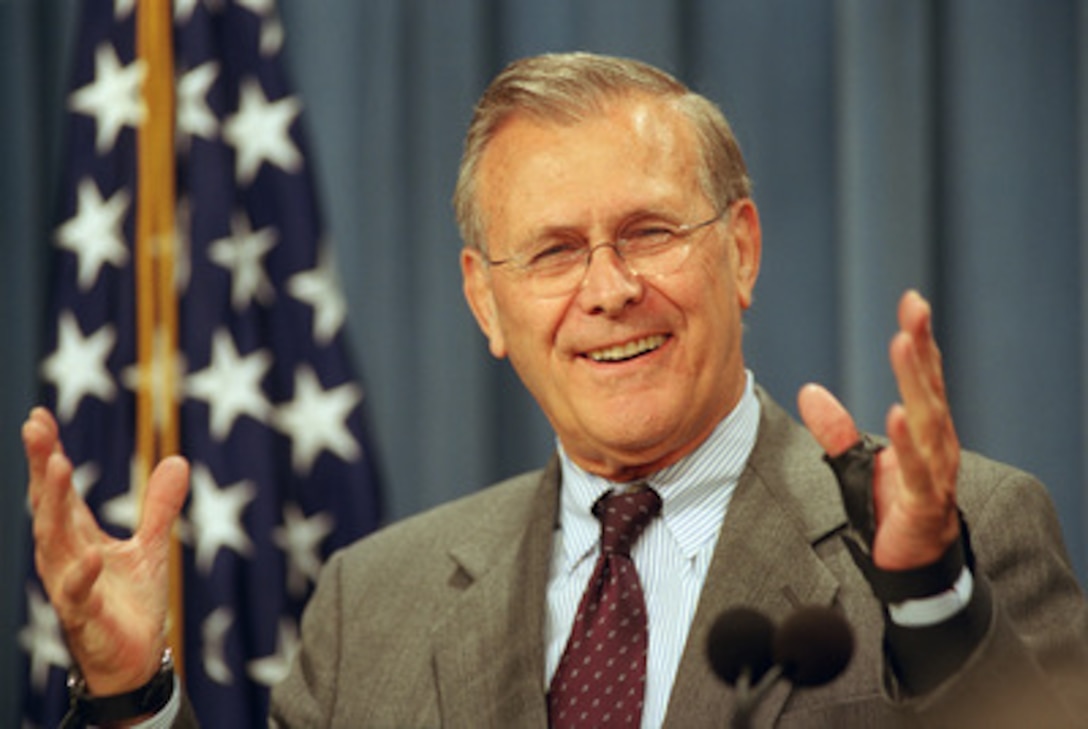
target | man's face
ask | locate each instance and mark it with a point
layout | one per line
(633, 372)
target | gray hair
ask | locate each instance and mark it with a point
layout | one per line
(566, 88)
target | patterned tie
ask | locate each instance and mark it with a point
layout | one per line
(601, 677)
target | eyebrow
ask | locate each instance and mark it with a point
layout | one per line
(550, 232)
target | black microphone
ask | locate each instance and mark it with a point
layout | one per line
(740, 643)
(811, 647)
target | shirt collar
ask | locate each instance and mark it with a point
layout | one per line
(695, 491)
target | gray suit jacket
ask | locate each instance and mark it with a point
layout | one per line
(437, 620)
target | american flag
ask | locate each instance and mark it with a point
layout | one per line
(270, 411)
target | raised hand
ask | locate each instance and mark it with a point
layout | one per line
(914, 490)
(111, 595)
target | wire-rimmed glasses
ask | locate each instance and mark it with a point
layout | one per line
(557, 267)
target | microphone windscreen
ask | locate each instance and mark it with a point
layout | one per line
(740, 638)
(813, 646)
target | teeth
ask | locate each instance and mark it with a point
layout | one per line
(627, 351)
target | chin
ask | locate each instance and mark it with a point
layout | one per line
(634, 446)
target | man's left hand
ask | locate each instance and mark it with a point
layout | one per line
(914, 482)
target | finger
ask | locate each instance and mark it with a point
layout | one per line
(80, 603)
(77, 587)
(914, 313)
(916, 320)
(886, 480)
(53, 487)
(73, 594)
(916, 360)
(45, 426)
(917, 366)
(166, 491)
(926, 495)
(52, 520)
(918, 397)
(828, 421)
(44, 418)
(914, 355)
(917, 480)
(40, 441)
(64, 527)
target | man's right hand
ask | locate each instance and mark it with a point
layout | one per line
(111, 595)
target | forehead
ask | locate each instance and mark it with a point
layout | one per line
(638, 152)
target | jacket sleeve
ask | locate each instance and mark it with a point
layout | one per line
(1028, 619)
(306, 696)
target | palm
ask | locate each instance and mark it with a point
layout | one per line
(907, 525)
(124, 636)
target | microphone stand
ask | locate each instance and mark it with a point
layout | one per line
(749, 697)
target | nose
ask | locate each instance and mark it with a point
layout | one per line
(609, 285)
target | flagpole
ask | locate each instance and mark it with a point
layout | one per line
(157, 308)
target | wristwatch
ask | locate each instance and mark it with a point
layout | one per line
(150, 698)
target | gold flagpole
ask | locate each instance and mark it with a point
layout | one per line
(157, 315)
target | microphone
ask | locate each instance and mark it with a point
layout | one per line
(811, 647)
(740, 643)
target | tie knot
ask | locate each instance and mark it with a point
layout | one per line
(624, 516)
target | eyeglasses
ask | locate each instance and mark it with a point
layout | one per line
(557, 267)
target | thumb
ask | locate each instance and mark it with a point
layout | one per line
(166, 491)
(827, 420)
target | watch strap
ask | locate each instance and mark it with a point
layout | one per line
(152, 697)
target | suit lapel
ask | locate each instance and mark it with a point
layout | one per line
(488, 651)
(764, 559)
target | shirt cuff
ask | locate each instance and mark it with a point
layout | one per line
(927, 611)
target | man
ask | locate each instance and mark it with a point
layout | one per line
(611, 248)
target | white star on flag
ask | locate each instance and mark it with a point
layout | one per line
(231, 384)
(272, 669)
(242, 254)
(113, 98)
(215, 517)
(213, 633)
(316, 420)
(84, 477)
(271, 36)
(318, 288)
(124, 509)
(260, 8)
(259, 131)
(77, 367)
(195, 117)
(300, 538)
(271, 27)
(41, 638)
(94, 232)
(183, 9)
(123, 8)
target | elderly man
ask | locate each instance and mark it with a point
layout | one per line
(611, 249)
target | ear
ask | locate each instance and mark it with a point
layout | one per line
(747, 249)
(476, 281)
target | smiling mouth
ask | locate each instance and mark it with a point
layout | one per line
(630, 350)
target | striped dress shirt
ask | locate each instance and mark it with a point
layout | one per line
(672, 556)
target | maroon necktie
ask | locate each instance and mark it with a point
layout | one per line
(601, 678)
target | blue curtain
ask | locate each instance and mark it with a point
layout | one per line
(939, 145)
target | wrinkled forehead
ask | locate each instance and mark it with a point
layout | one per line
(631, 153)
